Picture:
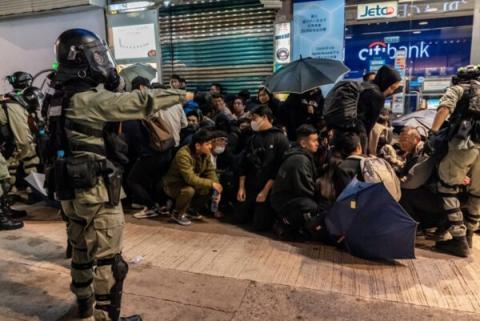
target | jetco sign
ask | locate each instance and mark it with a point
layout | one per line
(377, 48)
(377, 10)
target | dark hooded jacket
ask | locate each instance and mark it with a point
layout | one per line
(262, 157)
(372, 100)
(295, 179)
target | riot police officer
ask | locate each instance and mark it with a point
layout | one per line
(6, 221)
(461, 104)
(16, 108)
(89, 79)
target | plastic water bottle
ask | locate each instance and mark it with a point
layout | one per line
(214, 205)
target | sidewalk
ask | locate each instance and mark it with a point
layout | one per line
(213, 271)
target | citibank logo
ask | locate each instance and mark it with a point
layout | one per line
(380, 48)
(377, 10)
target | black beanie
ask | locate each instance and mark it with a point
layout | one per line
(386, 76)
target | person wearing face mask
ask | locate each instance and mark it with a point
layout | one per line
(258, 167)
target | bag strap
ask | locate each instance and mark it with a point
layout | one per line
(83, 129)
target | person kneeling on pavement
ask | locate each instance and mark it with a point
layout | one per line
(191, 178)
(294, 197)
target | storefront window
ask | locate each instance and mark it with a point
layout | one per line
(435, 36)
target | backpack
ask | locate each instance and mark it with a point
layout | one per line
(341, 104)
(378, 170)
(160, 132)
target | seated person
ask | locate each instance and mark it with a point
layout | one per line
(381, 134)
(191, 178)
(193, 121)
(419, 197)
(294, 197)
(349, 144)
(257, 170)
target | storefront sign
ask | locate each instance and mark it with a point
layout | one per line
(135, 41)
(434, 7)
(377, 10)
(429, 52)
(318, 29)
(282, 44)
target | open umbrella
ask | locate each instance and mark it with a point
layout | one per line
(131, 72)
(305, 74)
(422, 119)
(371, 223)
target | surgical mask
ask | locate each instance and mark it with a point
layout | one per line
(219, 150)
(256, 125)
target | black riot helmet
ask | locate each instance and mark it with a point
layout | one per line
(466, 74)
(33, 98)
(81, 54)
(20, 80)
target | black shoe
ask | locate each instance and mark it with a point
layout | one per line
(85, 307)
(470, 238)
(457, 246)
(18, 214)
(135, 317)
(7, 223)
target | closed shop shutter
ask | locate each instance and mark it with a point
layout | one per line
(229, 42)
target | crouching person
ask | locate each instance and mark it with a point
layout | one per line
(294, 196)
(191, 178)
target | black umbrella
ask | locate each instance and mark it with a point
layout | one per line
(305, 74)
(371, 223)
(131, 72)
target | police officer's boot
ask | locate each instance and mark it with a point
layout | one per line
(470, 238)
(85, 307)
(457, 246)
(6, 222)
(7, 203)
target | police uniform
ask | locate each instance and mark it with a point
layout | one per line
(95, 228)
(462, 160)
(25, 152)
(87, 78)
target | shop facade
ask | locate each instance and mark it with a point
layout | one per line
(434, 39)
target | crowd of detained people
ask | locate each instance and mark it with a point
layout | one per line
(272, 165)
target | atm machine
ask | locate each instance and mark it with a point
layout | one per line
(432, 90)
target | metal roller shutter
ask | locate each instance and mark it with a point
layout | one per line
(229, 42)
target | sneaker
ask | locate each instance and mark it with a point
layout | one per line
(147, 213)
(194, 215)
(181, 219)
(164, 211)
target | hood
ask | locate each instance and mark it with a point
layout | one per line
(386, 76)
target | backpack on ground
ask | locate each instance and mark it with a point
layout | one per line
(341, 104)
(161, 137)
(378, 170)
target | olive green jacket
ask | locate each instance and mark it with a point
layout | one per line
(187, 169)
(95, 107)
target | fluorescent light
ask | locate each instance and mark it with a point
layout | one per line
(423, 23)
(137, 5)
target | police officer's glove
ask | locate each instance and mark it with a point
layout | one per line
(429, 146)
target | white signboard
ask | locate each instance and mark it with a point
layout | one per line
(137, 41)
(377, 10)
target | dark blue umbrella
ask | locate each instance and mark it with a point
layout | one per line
(371, 223)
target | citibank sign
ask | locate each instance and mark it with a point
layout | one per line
(377, 10)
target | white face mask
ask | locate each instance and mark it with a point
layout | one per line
(255, 125)
(219, 150)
